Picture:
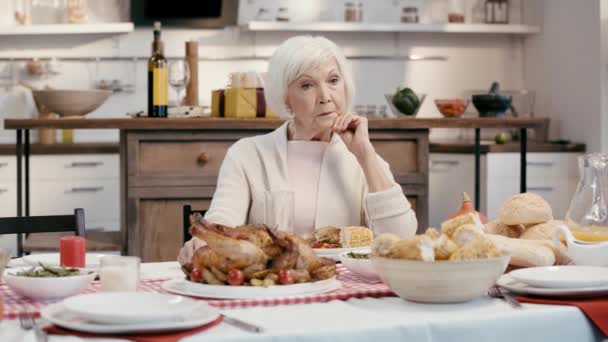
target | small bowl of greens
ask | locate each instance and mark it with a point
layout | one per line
(360, 264)
(45, 282)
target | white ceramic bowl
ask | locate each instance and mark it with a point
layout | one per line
(66, 102)
(440, 281)
(360, 267)
(47, 288)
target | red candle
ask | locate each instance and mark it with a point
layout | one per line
(72, 250)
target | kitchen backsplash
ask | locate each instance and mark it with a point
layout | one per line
(472, 61)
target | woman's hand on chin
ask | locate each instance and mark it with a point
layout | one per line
(353, 130)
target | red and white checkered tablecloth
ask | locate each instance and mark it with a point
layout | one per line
(352, 287)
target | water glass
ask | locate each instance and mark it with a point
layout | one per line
(179, 75)
(119, 273)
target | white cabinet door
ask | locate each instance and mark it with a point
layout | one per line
(8, 208)
(99, 198)
(450, 175)
(551, 175)
(74, 166)
(8, 168)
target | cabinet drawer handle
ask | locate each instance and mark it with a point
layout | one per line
(84, 164)
(540, 188)
(203, 158)
(445, 162)
(544, 164)
(85, 189)
(3, 191)
(3, 165)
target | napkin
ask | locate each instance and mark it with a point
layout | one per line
(152, 337)
(596, 309)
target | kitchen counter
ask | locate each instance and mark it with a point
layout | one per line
(513, 147)
(253, 124)
(75, 148)
(435, 147)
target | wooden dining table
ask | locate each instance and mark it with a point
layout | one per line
(386, 318)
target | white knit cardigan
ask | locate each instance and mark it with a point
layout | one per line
(255, 169)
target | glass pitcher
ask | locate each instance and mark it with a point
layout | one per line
(587, 215)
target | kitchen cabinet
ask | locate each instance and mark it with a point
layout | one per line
(554, 176)
(88, 181)
(60, 183)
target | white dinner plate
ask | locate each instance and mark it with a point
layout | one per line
(562, 276)
(129, 307)
(59, 315)
(188, 288)
(92, 260)
(509, 283)
(334, 253)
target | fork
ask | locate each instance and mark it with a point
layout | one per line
(495, 292)
(27, 322)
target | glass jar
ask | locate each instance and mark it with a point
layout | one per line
(497, 11)
(350, 12)
(587, 215)
(77, 11)
(409, 14)
(47, 12)
(456, 11)
(23, 12)
(283, 14)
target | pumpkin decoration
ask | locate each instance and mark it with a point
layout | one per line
(467, 207)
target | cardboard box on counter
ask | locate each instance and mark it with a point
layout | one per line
(240, 103)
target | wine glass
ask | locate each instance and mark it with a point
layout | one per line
(179, 75)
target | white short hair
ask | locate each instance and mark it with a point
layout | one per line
(295, 56)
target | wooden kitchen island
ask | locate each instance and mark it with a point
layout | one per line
(167, 163)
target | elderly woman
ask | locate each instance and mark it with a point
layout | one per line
(319, 168)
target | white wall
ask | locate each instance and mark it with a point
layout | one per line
(565, 66)
(473, 61)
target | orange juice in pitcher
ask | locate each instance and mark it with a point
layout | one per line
(587, 215)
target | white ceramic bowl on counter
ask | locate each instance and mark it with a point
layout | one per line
(45, 288)
(440, 281)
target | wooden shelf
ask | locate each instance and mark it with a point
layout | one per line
(60, 29)
(397, 27)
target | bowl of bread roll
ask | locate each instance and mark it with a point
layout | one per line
(459, 264)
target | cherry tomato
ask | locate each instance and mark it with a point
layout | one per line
(235, 277)
(287, 277)
(196, 275)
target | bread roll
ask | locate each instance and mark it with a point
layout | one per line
(479, 247)
(449, 227)
(526, 209)
(544, 231)
(444, 247)
(526, 253)
(499, 228)
(465, 233)
(419, 247)
(383, 243)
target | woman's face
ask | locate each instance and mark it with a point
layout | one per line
(317, 98)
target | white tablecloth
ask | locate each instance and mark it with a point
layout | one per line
(384, 319)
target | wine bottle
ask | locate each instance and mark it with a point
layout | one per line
(158, 80)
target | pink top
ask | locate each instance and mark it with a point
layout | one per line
(304, 159)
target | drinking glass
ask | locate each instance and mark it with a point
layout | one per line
(119, 273)
(179, 75)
